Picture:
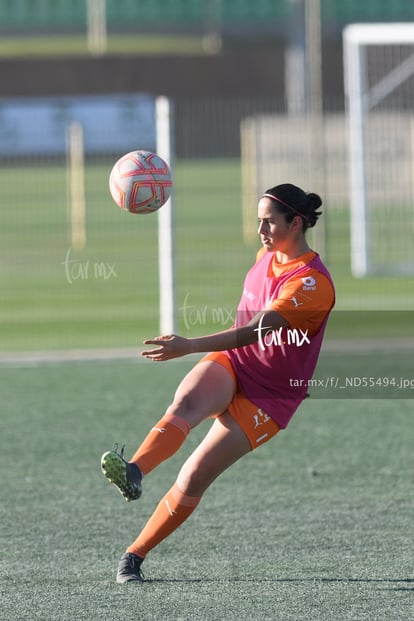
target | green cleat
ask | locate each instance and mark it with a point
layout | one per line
(127, 477)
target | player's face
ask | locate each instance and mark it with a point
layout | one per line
(275, 233)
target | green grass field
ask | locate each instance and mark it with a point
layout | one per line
(315, 526)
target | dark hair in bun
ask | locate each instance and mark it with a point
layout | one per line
(293, 201)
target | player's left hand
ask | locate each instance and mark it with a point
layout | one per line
(168, 347)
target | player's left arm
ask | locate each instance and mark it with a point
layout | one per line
(174, 346)
(304, 303)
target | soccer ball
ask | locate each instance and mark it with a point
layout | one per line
(140, 182)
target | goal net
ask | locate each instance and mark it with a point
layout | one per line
(379, 86)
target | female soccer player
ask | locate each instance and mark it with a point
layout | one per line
(252, 380)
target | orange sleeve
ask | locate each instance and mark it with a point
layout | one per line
(305, 302)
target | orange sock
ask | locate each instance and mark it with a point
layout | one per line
(171, 512)
(162, 441)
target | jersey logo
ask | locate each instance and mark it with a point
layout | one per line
(309, 283)
(295, 302)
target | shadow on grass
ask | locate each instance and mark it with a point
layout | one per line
(383, 581)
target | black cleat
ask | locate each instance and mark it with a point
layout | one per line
(129, 569)
(127, 477)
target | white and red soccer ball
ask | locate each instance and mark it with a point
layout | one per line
(140, 182)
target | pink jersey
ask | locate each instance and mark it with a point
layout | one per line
(274, 373)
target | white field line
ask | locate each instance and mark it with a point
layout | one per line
(35, 358)
(357, 346)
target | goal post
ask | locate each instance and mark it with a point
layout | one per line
(166, 233)
(363, 95)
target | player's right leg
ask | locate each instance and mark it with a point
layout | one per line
(206, 390)
(125, 476)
